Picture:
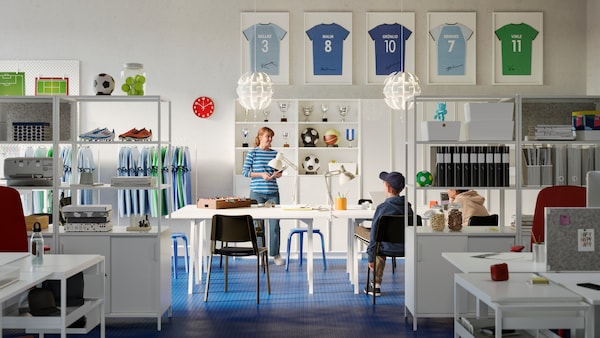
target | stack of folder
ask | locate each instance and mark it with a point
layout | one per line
(472, 166)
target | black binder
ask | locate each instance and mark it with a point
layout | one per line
(466, 166)
(458, 167)
(449, 166)
(498, 167)
(491, 168)
(506, 166)
(473, 160)
(440, 167)
(482, 167)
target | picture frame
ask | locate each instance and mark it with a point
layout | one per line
(385, 55)
(451, 48)
(518, 61)
(332, 63)
(27, 74)
(273, 54)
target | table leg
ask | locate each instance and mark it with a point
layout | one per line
(310, 254)
(193, 256)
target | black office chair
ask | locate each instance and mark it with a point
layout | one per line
(260, 232)
(484, 220)
(390, 229)
(236, 229)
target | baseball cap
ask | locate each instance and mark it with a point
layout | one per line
(394, 179)
(42, 303)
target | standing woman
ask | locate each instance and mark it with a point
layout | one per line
(263, 182)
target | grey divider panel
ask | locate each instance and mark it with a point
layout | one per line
(566, 248)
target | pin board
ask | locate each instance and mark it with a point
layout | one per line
(572, 239)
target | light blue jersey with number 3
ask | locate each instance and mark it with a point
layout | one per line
(265, 40)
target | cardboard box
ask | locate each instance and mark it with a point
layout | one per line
(223, 203)
(484, 111)
(440, 130)
(29, 220)
(494, 130)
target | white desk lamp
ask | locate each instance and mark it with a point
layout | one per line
(345, 177)
(278, 164)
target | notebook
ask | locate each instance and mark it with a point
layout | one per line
(377, 197)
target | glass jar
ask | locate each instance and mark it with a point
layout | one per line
(455, 217)
(437, 218)
(134, 79)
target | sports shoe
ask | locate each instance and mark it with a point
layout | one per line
(142, 135)
(369, 290)
(98, 135)
(278, 260)
(128, 133)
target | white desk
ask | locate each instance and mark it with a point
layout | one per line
(569, 280)
(60, 267)
(470, 262)
(517, 304)
(200, 217)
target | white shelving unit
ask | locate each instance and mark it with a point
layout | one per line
(145, 255)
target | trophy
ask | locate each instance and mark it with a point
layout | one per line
(283, 108)
(350, 136)
(245, 135)
(344, 112)
(266, 113)
(286, 135)
(307, 110)
(324, 109)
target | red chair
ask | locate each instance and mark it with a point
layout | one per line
(555, 196)
(14, 230)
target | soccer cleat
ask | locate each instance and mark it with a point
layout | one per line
(128, 134)
(142, 135)
(98, 135)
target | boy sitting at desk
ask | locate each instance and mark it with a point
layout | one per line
(393, 184)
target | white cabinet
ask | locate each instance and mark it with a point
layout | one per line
(138, 267)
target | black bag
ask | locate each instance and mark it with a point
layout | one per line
(74, 289)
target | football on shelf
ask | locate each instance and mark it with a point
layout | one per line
(104, 84)
(310, 137)
(424, 178)
(311, 164)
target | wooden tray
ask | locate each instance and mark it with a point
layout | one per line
(223, 203)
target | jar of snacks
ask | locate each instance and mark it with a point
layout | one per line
(134, 79)
(454, 217)
(437, 219)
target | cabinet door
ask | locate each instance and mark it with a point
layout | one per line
(92, 245)
(491, 243)
(134, 281)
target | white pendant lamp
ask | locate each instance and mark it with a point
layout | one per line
(400, 88)
(255, 90)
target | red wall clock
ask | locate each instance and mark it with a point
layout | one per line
(203, 107)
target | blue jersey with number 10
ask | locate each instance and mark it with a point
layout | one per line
(390, 47)
(328, 48)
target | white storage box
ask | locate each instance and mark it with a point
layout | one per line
(485, 111)
(499, 130)
(587, 135)
(348, 166)
(440, 130)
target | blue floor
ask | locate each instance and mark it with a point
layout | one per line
(332, 311)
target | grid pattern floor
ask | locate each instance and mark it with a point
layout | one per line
(289, 311)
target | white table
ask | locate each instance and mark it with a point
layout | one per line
(517, 304)
(569, 280)
(470, 262)
(58, 267)
(201, 218)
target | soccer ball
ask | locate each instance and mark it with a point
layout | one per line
(310, 137)
(311, 164)
(424, 178)
(331, 137)
(104, 84)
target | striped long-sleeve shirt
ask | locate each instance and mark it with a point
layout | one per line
(257, 161)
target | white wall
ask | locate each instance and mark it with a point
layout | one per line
(192, 48)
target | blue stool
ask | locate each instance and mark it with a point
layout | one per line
(301, 232)
(174, 237)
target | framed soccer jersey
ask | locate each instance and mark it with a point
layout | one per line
(328, 48)
(518, 48)
(451, 48)
(390, 44)
(265, 44)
